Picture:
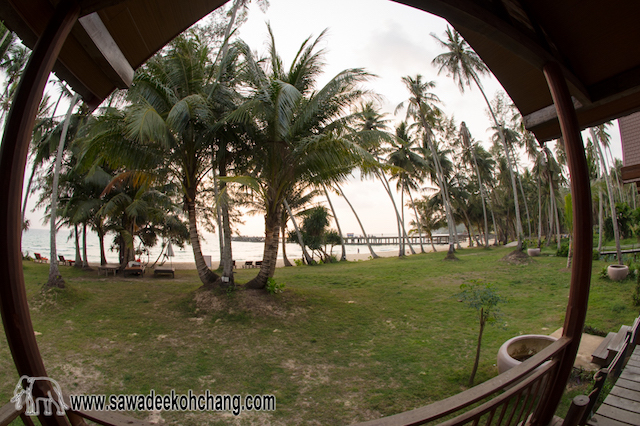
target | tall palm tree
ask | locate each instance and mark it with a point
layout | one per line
(465, 137)
(293, 125)
(409, 168)
(172, 113)
(420, 107)
(465, 66)
(600, 137)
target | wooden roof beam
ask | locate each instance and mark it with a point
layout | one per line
(119, 70)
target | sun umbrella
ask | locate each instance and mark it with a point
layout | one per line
(170, 252)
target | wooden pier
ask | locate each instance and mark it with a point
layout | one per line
(393, 240)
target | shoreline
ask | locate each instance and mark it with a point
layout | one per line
(351, 257)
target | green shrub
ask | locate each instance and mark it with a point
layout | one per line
(564, 250)
(274, 287)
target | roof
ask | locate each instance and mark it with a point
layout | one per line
(113, 37)
(596, 43)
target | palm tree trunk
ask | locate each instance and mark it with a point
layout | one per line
(482, 196)
(401, 231)
(227, 254)
(103, 258)
(55, 279)
(539, 213)
(555, 210)
(364, 233)
(418, 220)
(78, 262)
(524, 198)
(307, 258)
(343, 256)
(286, 261)
(216, 194)
(509, 164)
(270, 254)
(614, 216)
(600, 219)
(207, 276)
(85, 259)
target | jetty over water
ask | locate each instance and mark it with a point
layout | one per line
(392, 240)
(354, 240)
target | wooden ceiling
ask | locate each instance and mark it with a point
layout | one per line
(596, 43)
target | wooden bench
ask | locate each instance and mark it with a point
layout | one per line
(622, 406)
(108, 269)
(164, 270)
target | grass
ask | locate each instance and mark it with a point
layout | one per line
(344, 343)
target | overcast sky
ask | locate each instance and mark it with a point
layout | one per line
(387, 39)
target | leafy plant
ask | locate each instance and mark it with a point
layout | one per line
(274, 287)
(298, 262)
(604, 275)
(484, 299)
(636, 296)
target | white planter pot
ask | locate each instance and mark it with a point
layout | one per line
(533, 252)
(617, 272)
(519, 348)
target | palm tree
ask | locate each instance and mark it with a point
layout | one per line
(421, 109)
(293, 126)
(55, 279)
(465, 137)
(170, 116)
(600, 137)
(465, 66)
(409, 168)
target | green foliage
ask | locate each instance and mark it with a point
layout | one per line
(483, 298)
(274, 287)
(604, 275)
(564, 250)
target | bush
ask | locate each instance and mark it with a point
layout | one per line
(636, 296)
(564, 250)
(596, 255)
(274, 287)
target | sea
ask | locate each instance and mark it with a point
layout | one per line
(38, 241)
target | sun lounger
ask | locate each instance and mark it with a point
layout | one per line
(65, 261)
(164, 270)
(134, 268)
(40, 259)
(248, 264)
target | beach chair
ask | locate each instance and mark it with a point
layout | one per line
(40, 259)
(248, 264)
(258, 263)
(65, 261)
(134, 268)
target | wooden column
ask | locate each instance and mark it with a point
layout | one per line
(13, 158)
(582, 235)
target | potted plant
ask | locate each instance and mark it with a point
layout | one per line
(617, 272)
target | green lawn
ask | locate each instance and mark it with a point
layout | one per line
(344, 342)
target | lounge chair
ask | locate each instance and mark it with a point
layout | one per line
(65, 261)
(248, 264)
(40, 259)
(258, 263)
(134, 268)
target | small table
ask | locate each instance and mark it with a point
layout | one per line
(107, 269)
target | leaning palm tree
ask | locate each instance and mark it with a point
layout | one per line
(600, 137)
(469, 148)
(420, 107)
(465, 66)
(294, 126)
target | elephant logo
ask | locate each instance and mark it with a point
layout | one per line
(23, 395)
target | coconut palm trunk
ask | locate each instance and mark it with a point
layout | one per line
(308, 259)
(364, 233)
(614, 216)
(600, 218)
(270, 254)
(402, 234)
(343, 256)
(539, 213)
(85, 259)
(482, 196)
(55, 279)
(207, 276)
(418, 220)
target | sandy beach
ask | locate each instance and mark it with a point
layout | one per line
(352, 257)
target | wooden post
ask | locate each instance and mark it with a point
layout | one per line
(13, 158)
(582, 237)
(576, 410)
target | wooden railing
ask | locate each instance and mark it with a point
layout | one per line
(508, 399)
